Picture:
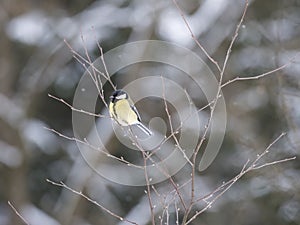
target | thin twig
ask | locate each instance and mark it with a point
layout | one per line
(259, 156)
(154, 150)
(95, 76)
(236, 33)
(106, 73)
(221, 187)
(61, 184)
(162, 168)
(194, 37)
(85, 142)
(255, 77)
(222, 71)
(148, 192)
(80, 58)
(216, 198)
(177, 213)
(227, 185)
(104, 65)
(17, 213)
(170, 123)
(145, 158)
(96, 73)
(75, 109)
(274, 162)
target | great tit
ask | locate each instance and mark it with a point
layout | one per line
(123, 111)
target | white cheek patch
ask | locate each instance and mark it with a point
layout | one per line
(123, 96)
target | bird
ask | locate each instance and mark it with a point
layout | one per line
(123, 111)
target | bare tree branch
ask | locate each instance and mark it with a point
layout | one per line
(61, 184)
(85, 142)
(73, 108)
(227, 185)
(270, 72)
(194, 37)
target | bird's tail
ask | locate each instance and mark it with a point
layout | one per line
(144, 129)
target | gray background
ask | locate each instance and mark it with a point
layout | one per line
(34, 61)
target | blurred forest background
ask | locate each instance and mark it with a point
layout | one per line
(34, 61)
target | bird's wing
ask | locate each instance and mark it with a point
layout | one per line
(136, 112)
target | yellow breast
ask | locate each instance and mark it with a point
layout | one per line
(123, 113)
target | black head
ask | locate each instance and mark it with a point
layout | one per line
(118, 95)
